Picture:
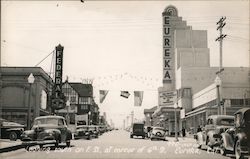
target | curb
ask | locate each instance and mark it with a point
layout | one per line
(11, 148)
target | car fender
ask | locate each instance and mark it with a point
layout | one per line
(210, 136)
(15, 129)
(200, 138)
(228, 141)
(240, 136)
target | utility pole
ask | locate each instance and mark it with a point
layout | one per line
(221, 24)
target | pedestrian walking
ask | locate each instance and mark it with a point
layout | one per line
(183, 132)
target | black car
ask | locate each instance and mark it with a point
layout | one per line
(237, 139)
(82, 132)
(94, 131)
(10, 130)
(137, 130)
(47, 130)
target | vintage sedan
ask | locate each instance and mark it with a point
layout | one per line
(94, 131)
(158, 133)
(82, 132)
(47, 130)
(216, 124)
(237, 139)
(10, 130)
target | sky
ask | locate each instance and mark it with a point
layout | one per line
(118, 44)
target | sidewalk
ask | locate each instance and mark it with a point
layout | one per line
(181, 139)
(8, 143)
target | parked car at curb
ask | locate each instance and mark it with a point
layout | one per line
(94, 131)
(137, 130)
(10, 130)
(158, 133)
(237, 139)
(82, 132)
(216, 124)
(47, 130)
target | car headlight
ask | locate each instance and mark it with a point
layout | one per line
(50, 134)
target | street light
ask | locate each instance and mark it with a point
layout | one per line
(31, 80)
(218, 82)
(68, 105)
(89, 116)
(175, 119)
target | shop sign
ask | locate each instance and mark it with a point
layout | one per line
(58, 99)
(167, 98)
(168, 67)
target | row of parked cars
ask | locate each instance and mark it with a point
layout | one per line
(90, 131)
(49, 130)
(228, 134)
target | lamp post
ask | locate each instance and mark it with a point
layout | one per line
(31, 80)
(67, 116)
(175, 119)
(89, 114)
(217, 82)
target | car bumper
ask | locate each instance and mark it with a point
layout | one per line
(157, 137)
(39, 142)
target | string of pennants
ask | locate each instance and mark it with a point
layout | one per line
(100, 81)
(138, 96)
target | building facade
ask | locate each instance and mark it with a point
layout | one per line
(17, 94)
(189, 80)
(81, 103)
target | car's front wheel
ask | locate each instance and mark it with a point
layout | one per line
(13, 136)
(238, 153)
(223, 150)
(68, 143)
(57, 143)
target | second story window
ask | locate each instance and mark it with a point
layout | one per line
(72, 99)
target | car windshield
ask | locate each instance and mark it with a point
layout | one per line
(226, 122)
(83, 128)
(161, 129)
(50, 121)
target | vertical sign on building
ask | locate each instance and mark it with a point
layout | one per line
(58, 99)
(167, 55)
(168, 48)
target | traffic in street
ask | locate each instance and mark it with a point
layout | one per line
(117, 144)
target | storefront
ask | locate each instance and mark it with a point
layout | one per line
(17, 94)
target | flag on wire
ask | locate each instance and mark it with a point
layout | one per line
(138, 97)
(103, 94)
(125, 94)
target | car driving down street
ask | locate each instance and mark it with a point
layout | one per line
(47, 130)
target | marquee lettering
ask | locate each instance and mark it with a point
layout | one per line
(167, 75)
(166, 20)
(167, 42)
(166, 53)
(166, 63)
(167, 31)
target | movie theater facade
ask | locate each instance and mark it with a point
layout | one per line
(189, 85)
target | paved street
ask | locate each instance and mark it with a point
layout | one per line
(117, 144)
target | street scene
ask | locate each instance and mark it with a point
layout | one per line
(124, 79)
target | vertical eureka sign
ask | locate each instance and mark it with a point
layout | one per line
(168, 44)
(168, 67)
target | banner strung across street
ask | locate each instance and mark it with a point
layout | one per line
(125, 94)
(103, 94)
(138, 97)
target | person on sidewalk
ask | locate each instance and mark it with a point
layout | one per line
(183, 132)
